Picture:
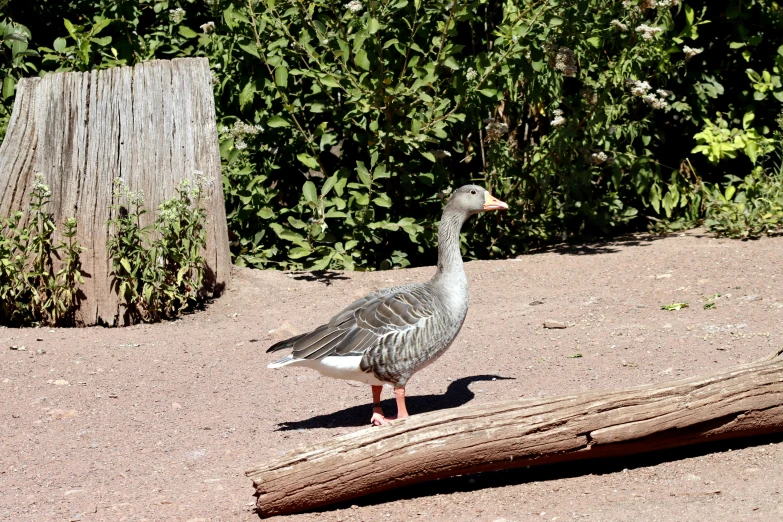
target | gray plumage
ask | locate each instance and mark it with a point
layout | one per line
(397, 331)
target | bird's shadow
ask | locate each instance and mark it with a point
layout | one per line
(457, 394)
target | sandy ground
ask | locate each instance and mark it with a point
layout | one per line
(160, 422)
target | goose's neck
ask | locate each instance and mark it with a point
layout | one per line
(450, 269)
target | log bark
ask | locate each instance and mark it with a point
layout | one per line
(152, 125)
(742, 401)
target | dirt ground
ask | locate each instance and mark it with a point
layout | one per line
(160, 422)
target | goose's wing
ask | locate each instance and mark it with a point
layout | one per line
(364, 323)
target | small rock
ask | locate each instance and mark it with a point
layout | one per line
(40, 351)
(284, 331)
(18, 348)
(63, 414)
(72, 491)
(76, 518)
(750, 298)
(663, 276)
(113, 395)
(536, 303)
(6, 380)
(176, 406)
(60, 382)
(39, 339)
(551, 324)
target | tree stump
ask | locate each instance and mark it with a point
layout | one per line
(152, 125)
(742, 401)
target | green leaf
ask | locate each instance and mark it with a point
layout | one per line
(555, 21)
(103, 42)
(489, 93)
(277, 121)
(328, 184)
(9, 87)
(329, 81)
(310, 192)
(575, 356)
(59, 45)
(69, 26)
(187, 32)
(451, 63)
(308, 161)
(361, 60)
(364, 174)
(674, 306)
(595, 41)
(126, 265)
(689, 14)
(250, 48)
(281, 76)
(383, 201)
(429, 155)
(374, 25)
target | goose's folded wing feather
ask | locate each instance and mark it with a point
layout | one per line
(365, 322)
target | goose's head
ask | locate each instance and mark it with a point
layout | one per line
(472, 199)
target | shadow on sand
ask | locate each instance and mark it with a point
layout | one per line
(457, 394)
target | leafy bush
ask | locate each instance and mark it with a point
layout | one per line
(343, 125)
(31, 292)
(158, 269)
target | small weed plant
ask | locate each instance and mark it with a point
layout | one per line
(158, 269)
(33, 291)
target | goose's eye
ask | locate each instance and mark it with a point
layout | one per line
(473, 192)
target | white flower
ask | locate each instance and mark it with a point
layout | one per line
(471, 74)
(654, 102)
(596, 158)
(617, 24)
(648, 32)
(207, 27)
(638, 88)
(690, 52)
(564, 60)
(440, 154)
(558, 119)
(177, 15)
(354, 6)
(240, 144)
(514, 39)
(663, 93)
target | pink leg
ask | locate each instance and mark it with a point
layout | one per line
(399, 394)
(377, 412)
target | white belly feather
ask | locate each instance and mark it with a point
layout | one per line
(337, 367)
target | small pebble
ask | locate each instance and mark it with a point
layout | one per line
(551, 324)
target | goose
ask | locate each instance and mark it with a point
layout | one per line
(390, 334)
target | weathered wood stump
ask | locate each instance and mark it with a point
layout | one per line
(742, 401)
(151, 125)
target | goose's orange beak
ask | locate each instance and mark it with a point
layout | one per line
(493, 203)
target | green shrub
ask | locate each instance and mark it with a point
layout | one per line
(158, 269)
(31, 292)
(343, 125)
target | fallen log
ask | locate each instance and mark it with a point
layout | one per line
(743, 401)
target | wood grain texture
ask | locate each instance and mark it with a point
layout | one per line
(742, 401)
(152, 125)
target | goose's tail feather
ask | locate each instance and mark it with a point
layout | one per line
(288, 359)
(286, 343)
